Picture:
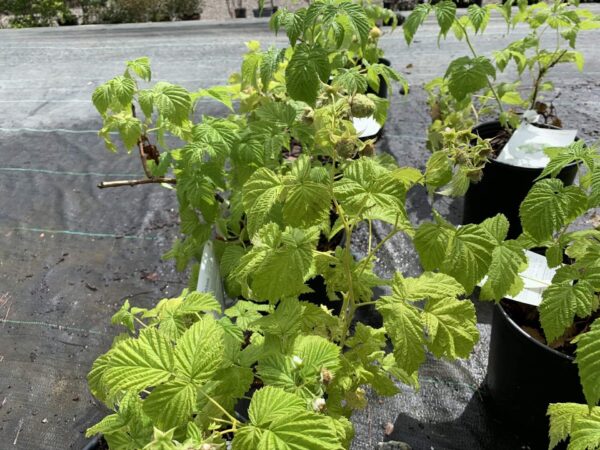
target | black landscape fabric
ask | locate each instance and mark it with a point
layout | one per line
(71, 253)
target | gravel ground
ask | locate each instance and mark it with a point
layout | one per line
(70, 253)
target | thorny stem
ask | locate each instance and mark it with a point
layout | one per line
(541, 73)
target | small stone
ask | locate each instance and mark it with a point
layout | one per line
(388, 428)
(44, 420)
(393, 445)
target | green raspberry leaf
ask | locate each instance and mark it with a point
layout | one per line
(415, 20)
(508, 260)
(172, 102)
(445, 12)
(467, 75)
(171, 404)
(278, 263)
(136, 364)
(561, 303)
(371, 191)
(123, 89)
(405, 327)
(430, 285)
(549, 206)
(351, 80)
(468, 256)
(260, 193)
(307, 199)
(141, 67)
(279, 420)
(451, 327)
(308, 67)
(564, 156)
(200, 351)
(102, 97)
(588, 361)
(594, 200)
(479, 17)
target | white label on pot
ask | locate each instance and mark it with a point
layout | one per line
(366, 127)
(525, 148)
(209, 275)
(536, 278)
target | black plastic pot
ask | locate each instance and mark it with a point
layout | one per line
(503, 187)
(240, 13)
(265, 12)
(96, 443)
(524, 376)
(383, 87)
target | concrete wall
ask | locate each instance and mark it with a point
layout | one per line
(217, 9)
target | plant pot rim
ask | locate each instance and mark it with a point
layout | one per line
(513, 167)
(527, 337)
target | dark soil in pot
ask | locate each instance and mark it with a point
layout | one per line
(503, 186)
(525, 375)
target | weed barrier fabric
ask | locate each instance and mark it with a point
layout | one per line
(71, 253)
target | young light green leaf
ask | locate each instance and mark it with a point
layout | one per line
(508, 260)
(406, 328)
(171, 404)
(124, 317)
(102, 97)
(307, 202)
(562, 419)
(588, 362)
(280, 420)
(260, 193)
(431, 242)
(123, 89)
(351, 80)
(199, 352)
(468, 256)
(371, 191)
(279, 262)
(172, 102)
(428, 286)
(221, 94)
(136, 364)
(562, 157)
(549, 206)
(586, 432)
(141, 67)
(594, 199)
(561, 302)
(451, 327)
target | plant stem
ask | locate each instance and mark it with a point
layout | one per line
(121, 183)
(234, 421)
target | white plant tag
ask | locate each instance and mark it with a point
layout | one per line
(366, 127)
(525, 148)
(209, 275)
(536, 278)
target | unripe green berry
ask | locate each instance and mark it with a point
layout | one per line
(362, 106)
